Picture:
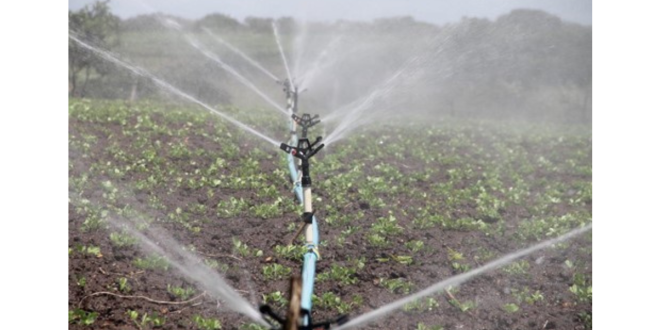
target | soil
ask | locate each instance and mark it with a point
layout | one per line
(547, 273)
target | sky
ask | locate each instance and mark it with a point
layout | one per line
(432, 11)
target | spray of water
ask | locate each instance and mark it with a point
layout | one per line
(213, 57)
(169, 88)
(192, 267)
(351, 115)
(279, 46)
(240, 53)
(195, 43)
(309, 74)
(381, 101)
(458, 279)
(299, 47)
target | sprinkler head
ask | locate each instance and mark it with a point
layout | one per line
(304, 151)
(306, 121)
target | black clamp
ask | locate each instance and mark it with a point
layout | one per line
(308, 216)
(326, 325)
(304, 151)
(306, 121)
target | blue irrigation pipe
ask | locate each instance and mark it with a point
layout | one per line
(311, 256)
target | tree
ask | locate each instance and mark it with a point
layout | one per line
(218, 22)
(99, 26)
(259, 25)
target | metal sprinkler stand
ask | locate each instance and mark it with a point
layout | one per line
(299, 152)
(304, 151)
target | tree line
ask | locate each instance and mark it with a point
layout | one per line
(526, 63)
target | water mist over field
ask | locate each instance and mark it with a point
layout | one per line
(476, 186)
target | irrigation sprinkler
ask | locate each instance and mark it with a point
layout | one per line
(299, 151)
(306, 121)
(304, 151)
(291, 91)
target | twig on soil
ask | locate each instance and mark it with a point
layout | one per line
(162, 302)
(451, 297)
(183, 309)
(120, 274)
(221, 256)
(293, 240)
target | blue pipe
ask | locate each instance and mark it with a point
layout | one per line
(311, 256)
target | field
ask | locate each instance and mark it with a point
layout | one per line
(400, 206)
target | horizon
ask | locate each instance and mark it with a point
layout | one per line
(575, 11)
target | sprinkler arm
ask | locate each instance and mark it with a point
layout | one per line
(304, 151)
(306, 121)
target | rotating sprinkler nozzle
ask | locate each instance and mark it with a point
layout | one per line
(306, 121)
(304, 151)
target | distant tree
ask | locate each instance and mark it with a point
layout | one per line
(142, 23)
(99, 26)
(286, 25)
(259, 25)
(218, 22)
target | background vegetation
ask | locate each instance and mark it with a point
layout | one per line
(526, 64)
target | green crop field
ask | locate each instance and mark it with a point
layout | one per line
(401, 205)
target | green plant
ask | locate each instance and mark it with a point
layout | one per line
(581, 288)
(415, 246)
(276, 271)
(82, 317)
(275, 298)
(180, 292)
(252, 326)
(463, 306)
(422, 326)
(91, 250)
(123, 285)
(397, 285)
(337, 273)
(81, 281)
(241, 248)
(517, 268)
(153, 319)
(290, 252)
(152, 262)
(455, 256)
(585, 319)
(329, 300)
(122, 239)
(511, 308)
(377, 240)
(421, 305)
(386, 226)
(206, 323)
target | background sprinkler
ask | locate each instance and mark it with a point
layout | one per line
(291, 91)
(305, 122)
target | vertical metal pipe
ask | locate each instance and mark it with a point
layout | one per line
(293, 315)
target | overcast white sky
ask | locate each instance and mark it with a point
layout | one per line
(433, 11)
